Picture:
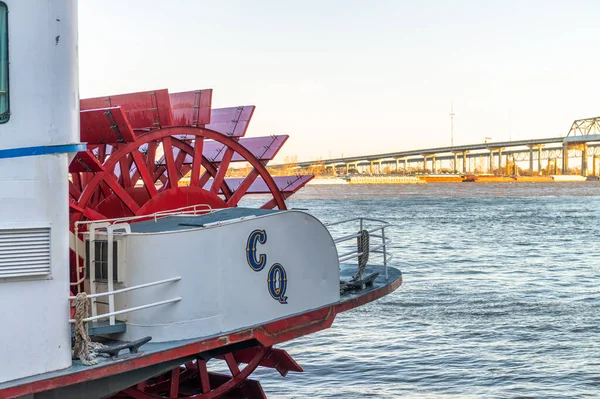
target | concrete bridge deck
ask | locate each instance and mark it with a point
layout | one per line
(582, 141)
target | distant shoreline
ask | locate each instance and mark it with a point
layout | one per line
(424, 179)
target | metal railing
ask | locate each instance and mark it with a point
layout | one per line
(80, 255)
(377, 231)
(110, 294)
(106, 230)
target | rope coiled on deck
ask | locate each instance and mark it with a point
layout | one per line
(84, 348)
(362, 243)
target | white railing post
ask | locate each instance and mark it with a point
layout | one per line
(384, 252)
(76, 244)
(92, 263)
(111, 284)
(109, 265)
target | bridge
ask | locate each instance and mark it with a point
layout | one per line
(582, 141)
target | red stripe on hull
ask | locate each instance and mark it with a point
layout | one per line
(267, 335)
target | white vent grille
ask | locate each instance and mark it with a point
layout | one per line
(24, 252)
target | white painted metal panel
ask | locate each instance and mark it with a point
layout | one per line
(220, 291)
(44, 111)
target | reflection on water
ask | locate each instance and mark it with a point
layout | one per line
(500, 296)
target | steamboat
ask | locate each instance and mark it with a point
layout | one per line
(129, 267)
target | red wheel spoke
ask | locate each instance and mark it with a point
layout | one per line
(122, 194)
(219, 179)
(95, 198)
(243, 188)
(104, 191)
(87, 212)
(204, 179)
(74, 191)
(197, 162)
(93, 215)
(159, 172)
(170, 161)
(144, 173)
(203, 371)
(232, 364)
(174, 392)
(125, 177)
(151, 156)
(272, 203)
(102, 153)
(77, 180)
(179, 162)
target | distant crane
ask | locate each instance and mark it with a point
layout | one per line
(451, 125)
(454, 166)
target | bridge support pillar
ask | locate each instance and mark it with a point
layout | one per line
(455, 165)
(565, 159)
(530, 161)
(491, 162)
(500, 160)
(539, 170)
(433, 165)
(584, 160)
(465, 168)
(397, 165)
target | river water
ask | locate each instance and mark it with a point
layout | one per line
(501, 296)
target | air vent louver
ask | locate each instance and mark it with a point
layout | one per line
(24, 252)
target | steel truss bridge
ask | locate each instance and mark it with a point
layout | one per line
(582, 142)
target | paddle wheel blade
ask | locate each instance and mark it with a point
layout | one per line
(191, 108)
(85, 162)
(285, 184)
(231, 122)
(105, 126)
(277, 359)
(263, 148)
(144, 110)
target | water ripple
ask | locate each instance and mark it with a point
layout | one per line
(500, 298)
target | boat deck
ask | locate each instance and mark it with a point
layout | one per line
(186, 222)
(168, 354)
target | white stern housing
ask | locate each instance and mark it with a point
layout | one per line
(34, 234)
(220, 290)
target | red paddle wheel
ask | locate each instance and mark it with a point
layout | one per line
(155, 151)
(193, 380)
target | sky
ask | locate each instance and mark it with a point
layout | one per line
(351, 77)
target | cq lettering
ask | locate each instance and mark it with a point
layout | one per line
(277, 281)
(277, 277)
(257, 236)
